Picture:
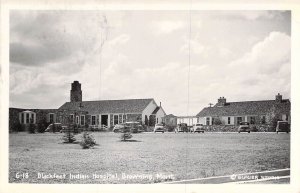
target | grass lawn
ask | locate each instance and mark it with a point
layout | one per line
(148, 158)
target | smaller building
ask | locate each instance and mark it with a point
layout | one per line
(261, 112)
(189, 120)
(170, 120)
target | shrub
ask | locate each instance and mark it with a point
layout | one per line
(31, 128)
(217, 121)
(41, 126)
(68, 136)
(274, 121)
(87, 141)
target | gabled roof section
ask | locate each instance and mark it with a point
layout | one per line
(108, 106)
(155, 110)
(245, 108)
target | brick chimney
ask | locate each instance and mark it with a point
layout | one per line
(221, 101)
(278, 98)
(76, 93)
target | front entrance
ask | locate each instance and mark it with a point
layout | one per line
(104, 120)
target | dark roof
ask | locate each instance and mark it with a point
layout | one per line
(108, 106)
(245, 108)
(155, 110)
(170, 115)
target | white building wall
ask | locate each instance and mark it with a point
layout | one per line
(148, 110)
(190, 121)
(201, 120)
(225, 120)
(159, 115)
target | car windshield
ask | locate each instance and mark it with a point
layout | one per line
(244, 123)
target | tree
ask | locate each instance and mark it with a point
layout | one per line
(69, 136)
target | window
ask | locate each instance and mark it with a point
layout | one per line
(27, 117)
(239, 120)
(77, 120)
(263, 120)
(82, 117)
(207, 121)
(156, 120)
(228, 120)
(252, 120)
(32, 118)
(116, 119)
(71, 118)
(22, 118)
(93, 120)
(124, 118)
(51, 117)
(120, 118)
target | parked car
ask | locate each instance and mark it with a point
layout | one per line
(198, 128)
(64, 129)
(135, 127)
(282, 126)
(118, 128)
(244, 127)
(181, 127)
(159, 128)
(57, 127)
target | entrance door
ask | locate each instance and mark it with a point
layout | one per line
(104, 120)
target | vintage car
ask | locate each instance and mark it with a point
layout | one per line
(198, 128)
(244, 127)
(159, 128)
(56, 126)
(118, 127)
(135, 127)
(182, 127)
(282, 126)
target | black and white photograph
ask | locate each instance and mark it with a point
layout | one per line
(149, 97)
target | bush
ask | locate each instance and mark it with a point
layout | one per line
(126, 133)
(87, 141)
(68, 136)
(31, 128)
(217, 121)
(125, 136)
(41, 126)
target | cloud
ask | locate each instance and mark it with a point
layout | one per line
(251, 15)
(267, 56)
(167, 26)
(122, 39)
(53, 36)
(194, 45)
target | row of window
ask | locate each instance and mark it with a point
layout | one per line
(117, 119)
(238, 120)
(27, 118)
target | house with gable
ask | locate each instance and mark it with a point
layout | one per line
(255, 112)
(108, 112)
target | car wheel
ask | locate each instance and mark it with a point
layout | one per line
(239, 131)
(248, 131)
(287, 132)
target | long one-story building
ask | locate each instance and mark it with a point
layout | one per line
(93, 113)
(254, 112)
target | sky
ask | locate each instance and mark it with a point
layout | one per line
(183, 59)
